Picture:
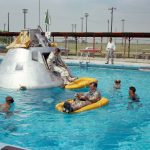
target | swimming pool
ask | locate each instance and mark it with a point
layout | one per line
(38, 126)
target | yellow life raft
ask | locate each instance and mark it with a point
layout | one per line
(103, 101)
(80, 83)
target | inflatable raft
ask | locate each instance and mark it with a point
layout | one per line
(80, 83)
(103, 101)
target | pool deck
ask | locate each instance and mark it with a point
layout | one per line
(117, 61)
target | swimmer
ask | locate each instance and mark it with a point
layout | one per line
(132, 95)
(135, 100)
(7, 105)
(117, 84)
(23, 88)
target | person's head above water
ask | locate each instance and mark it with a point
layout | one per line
(132, 90)
(132, 95)
(9, 99)
(117, 81)
(117, 84)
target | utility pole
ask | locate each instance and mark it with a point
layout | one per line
(39, 13)
(4, 27)
(72, 27)
(8, 22)
(112, 10)
(25, 12)
(108, 24)
(123, 20)
(75, 26)
(82, 24)
(81, 28)
(86, 16)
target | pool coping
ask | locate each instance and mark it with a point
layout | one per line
(101, 64)
(109, 66)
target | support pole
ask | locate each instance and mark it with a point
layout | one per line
(65, 43)
(94, 42)
(76, 45)
(101, 43)
(129, 48)
(124, 47)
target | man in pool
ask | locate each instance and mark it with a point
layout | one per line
(135, 100)
(132, 95)
(55, 63)
(117, 84)
(83, 99)
(7, 105)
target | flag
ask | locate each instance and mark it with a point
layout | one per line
(47, 19)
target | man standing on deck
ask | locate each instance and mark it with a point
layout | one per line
(110, 51)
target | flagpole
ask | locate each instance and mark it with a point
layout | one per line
(39, 13)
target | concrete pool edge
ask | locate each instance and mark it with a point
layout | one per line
(110, 66)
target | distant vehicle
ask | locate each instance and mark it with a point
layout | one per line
(90, 51)
(88, 48)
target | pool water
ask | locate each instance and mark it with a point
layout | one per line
(37, 125)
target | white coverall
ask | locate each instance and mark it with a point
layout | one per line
(55, 63)
(110, 51)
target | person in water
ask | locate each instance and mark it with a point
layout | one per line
(117, 84)
(7, 105)
(55, 63)
(83, 99)
(132, 94)
(135, 100)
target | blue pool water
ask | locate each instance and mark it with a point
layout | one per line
(38, 126)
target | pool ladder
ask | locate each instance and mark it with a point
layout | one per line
(83, 64)
(84, 59)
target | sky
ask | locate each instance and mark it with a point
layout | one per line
(64, 13)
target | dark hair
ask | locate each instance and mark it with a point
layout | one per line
(10, 99)
(132, 88)
(117, 81)
(94, 84)
(57, 49)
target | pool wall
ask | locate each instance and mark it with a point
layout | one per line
(116, 66)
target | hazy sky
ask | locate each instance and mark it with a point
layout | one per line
(66, 12)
